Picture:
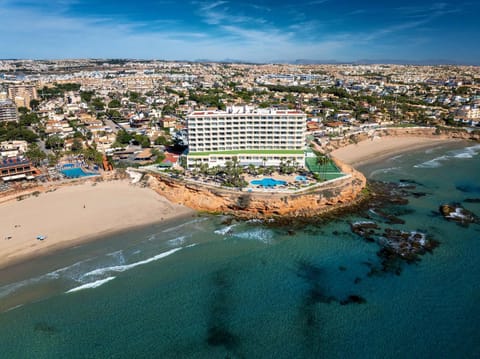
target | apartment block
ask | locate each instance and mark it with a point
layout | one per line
(22, 94)
(262, 137)
(8, 111)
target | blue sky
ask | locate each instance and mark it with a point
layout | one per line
(260, 31)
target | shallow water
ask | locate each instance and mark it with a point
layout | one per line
(202, 288)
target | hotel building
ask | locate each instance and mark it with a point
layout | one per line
(262, 137)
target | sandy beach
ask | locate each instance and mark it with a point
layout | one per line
(73, 214)
(382, 147)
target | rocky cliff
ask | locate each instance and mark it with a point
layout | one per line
(331, 195)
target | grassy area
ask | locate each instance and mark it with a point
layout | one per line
(313, 166)
(248, 152)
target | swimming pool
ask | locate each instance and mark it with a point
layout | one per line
(268, 182)
(76, 173)
(301, 179)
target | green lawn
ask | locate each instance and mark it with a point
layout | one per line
(329, 170)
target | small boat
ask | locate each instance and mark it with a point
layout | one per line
(41, 238)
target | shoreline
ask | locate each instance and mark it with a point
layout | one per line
(73, 215)
(59, 256)
(380, 148)
(117, 206)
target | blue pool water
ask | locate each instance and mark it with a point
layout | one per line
(75, 173)
(301, 178)
(268, 182)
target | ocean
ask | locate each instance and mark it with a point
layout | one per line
(208, 287)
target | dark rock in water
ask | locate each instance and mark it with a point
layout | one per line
(472, 200)
(45, 328)
(398, 200)
(227, 221)
(455, 212)
(410, 181)
(291, 232)
(468, 187)
(391, 219)
(356, 299)
(418, 194)
(363, 229)
(342, 268)
(357, 280)
(401, 246)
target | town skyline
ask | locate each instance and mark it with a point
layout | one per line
(260, 32)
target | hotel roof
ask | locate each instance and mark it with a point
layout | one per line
(245, 110)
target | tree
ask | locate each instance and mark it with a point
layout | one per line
(54, 142)
(35, 154)
(162, 140)
(123, 137)
(114, 114)
(53, 159)
(98, 104)
(23, 110)
(91, 155)
(34, 104)
(77, 145)
(28, 119)
(323, 162)
(143, 140)
(114, 103)
(86, 96)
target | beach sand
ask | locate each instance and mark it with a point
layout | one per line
(382, 147)
(74, 214)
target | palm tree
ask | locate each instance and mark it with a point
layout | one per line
(323, 162)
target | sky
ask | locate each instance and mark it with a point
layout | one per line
(254, 31)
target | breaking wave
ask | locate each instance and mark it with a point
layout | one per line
(125, 267)
(464, 153)
(95, 284)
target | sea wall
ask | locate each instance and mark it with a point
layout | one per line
(313, 201)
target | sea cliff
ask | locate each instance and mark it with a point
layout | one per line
(307, 203)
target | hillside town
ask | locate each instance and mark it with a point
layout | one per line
(64, 119)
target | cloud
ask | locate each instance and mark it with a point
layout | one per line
(214, 13)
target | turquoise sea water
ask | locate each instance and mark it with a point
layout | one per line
(205, 288)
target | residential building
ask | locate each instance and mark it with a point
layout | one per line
(22, 94)
(13, 148)
(262, 137)
(8, 111)
(16, 168)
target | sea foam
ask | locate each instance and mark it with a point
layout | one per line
(225, 230)
(123, 268)
(259, 234)
(91, 285)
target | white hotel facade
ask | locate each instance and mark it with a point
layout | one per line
(262, 137)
